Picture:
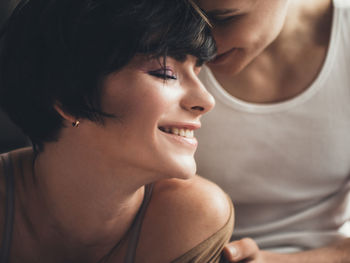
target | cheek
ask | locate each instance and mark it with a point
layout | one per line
(268, 23)
(244, 34)
(254, 30)
(128, 98)
(139, 111)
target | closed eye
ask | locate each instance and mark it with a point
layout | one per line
(165, 74)
(222, 16)
(222, 20)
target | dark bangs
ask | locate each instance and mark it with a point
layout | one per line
(166, 28)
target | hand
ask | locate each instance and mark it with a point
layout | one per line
(247, 251)
(244, 250)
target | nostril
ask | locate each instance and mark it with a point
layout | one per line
(199, 108)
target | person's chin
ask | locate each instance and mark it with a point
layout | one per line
(185, 169)
(230, 68)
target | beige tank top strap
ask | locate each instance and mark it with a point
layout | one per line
(136, 228)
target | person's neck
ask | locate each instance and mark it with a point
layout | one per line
(291, 62)
(81, 204)
(307, 24)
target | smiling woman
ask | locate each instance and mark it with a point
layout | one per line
(108, 93)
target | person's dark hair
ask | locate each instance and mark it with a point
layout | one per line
(59, 51)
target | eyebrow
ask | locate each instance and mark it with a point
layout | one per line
(216, 12)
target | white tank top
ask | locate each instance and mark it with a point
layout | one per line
(286, 165)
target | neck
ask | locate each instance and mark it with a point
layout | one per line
(81, 201)
(307, 24)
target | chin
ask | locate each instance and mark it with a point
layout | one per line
(231, 68)
(226, 70)
(184, 170)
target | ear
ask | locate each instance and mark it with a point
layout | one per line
(58, 107)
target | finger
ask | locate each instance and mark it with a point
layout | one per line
(244, 249)
(230, 252)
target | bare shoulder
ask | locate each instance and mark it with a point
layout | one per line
(196, 197)
(182, 214)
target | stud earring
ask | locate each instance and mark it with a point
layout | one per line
(75, 124)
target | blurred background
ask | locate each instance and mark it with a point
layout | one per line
(10, 136)
(6, 7)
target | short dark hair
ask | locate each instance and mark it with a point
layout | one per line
(61, 50)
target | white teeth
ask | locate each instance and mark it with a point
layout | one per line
(180, 132)
(175, 131)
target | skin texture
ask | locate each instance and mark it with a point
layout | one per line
(84, 190)
(279, 47)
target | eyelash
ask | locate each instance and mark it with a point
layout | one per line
(163, 74)
(219, 21)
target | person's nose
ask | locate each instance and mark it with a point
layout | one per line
(197, 99)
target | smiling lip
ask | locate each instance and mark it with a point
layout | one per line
(220, 58)
(192, 142)
(181, 133)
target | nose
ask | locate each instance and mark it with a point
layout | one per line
(197, 99)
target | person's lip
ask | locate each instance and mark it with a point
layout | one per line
(189, 142)
(221, 58)
(173, 130)
(181, 125)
